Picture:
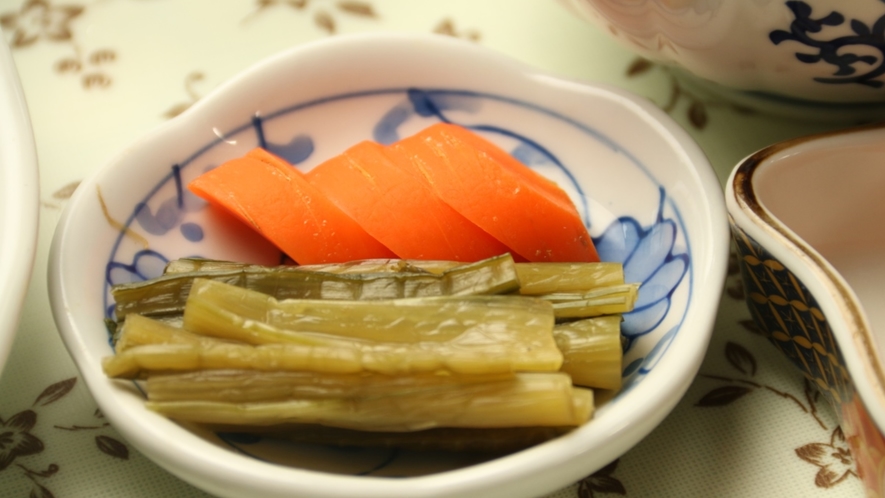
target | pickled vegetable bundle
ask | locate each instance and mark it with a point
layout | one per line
(411, 353)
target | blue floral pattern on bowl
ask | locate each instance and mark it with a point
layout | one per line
(851, 66)
(652, 245)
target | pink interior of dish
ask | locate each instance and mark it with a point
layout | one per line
(832, 195)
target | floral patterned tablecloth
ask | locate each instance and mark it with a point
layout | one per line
(98, 74)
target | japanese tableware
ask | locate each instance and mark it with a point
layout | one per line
(643, 187)
(809, 225)
(810, 58)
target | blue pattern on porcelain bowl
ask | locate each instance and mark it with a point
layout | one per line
(789, 315)
(643, 188)
(845, 53)
(811, 58)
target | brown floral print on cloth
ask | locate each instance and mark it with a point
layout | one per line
(697, 107)
(61, 195)
(323, 11)
(833, 458)
(601, 481)
(324, 20)
(38, 20)
(447, 27)
(17, 441)
(190, 81)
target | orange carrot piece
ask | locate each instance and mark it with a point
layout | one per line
(398, 208)
(507, 199)
(276, 200)
(265, 156)
(506, 160)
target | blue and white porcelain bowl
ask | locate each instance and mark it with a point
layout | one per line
(814, 58)
(644, 189)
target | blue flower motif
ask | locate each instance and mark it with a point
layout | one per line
(648, 259)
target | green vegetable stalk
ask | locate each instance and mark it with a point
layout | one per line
(592, 351)
(231, 312)
(166, 295)
(479, 348)
(240, 386)
(188, 265)
(527, 400)
(547, 278)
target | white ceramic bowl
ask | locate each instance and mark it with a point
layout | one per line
(807, 216)
(644, 188)
(812, 57)
(19, 200)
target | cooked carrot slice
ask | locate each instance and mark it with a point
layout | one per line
(398, 208)
(276, 200)
(516, 205)
(506, 160)
(266, 156)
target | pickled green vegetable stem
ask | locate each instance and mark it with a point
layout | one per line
(231, 312)
(167, 294)
(141, 361)
(614, 299)
(528, 400)
(186, 265)
(238, 386)
(592, 351)
(138, 331)
(547, 278)
(535, 278)
(469, 353)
